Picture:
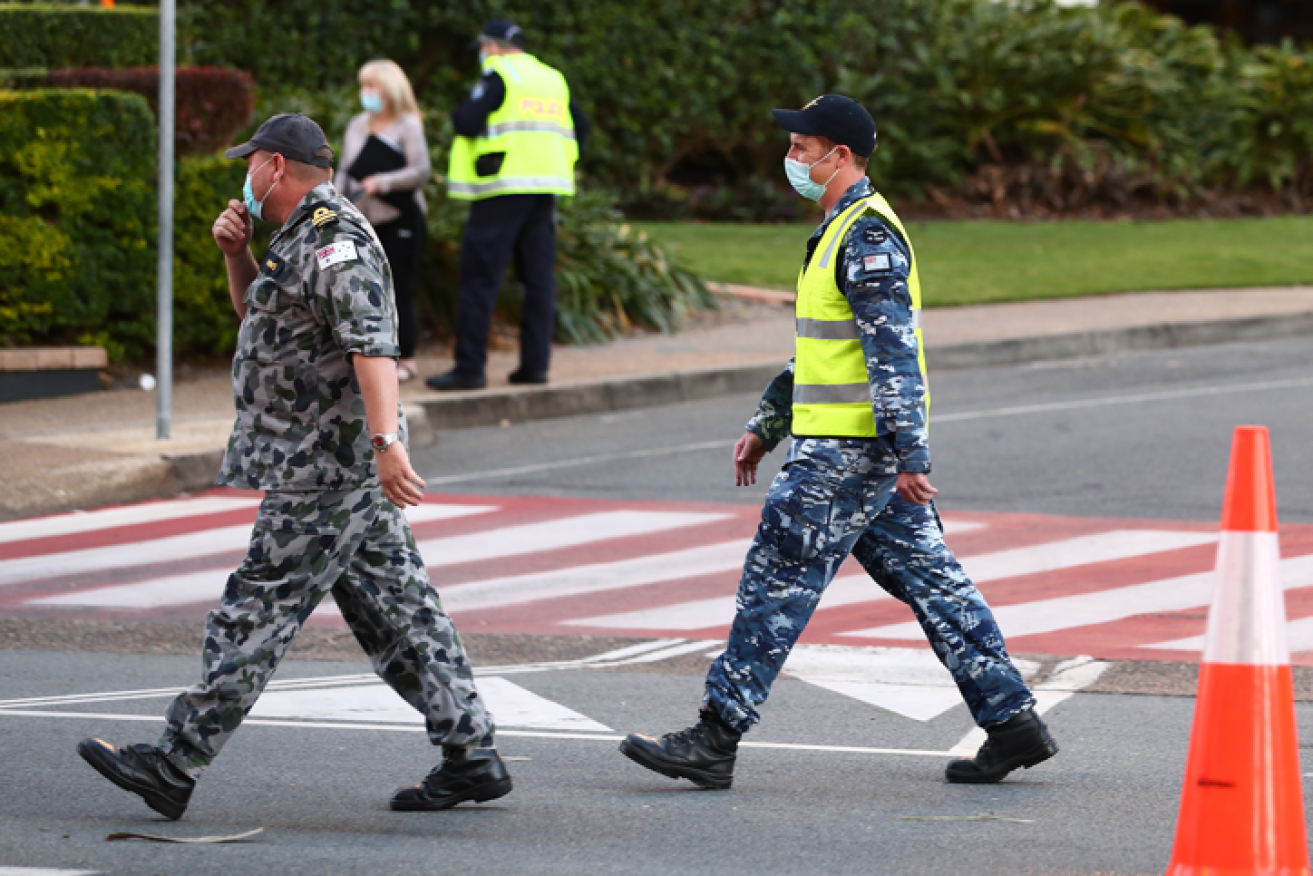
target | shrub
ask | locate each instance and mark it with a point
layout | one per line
(77, 200)
(213, 103)
(47, 35)
(1112, 101)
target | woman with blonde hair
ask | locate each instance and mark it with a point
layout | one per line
(385, 163)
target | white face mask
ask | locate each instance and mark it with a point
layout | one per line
(800, 177)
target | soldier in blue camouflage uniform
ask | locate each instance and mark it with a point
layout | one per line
(319, 428)
(869, 496)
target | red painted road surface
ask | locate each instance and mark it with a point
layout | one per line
(1110, 588)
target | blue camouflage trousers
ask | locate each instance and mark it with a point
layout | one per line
(835, 497)
(358, 545)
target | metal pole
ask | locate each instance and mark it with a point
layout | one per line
(164, 270)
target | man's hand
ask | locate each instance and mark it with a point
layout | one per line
(400, 483)
(915, 488)
(748, 452)
(234, 229)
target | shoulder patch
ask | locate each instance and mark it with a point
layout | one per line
(323, 216)
(336, 253)
(875, 234)
(877, 262)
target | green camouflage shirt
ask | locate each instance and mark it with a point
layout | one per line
(324, 292)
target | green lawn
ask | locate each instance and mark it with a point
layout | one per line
(970, 262)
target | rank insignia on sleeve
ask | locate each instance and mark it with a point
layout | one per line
(335, 253)
(271, 264)
(323, 216)
(878, 262)
(875, 235)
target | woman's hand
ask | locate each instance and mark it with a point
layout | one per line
(370, 185)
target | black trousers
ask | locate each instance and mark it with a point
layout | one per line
(522, 226)
(403, 243)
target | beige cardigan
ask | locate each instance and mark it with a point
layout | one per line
(407, 132)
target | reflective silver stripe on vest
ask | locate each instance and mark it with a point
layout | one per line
(565, 131)
(829, 250)
(827, 329)
(514, 182)
(831, 393)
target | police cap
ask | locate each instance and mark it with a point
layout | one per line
(292, 136)
(500, 29)
(834, 117)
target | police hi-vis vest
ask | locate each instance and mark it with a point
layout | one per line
(831, 389)
(532, 132)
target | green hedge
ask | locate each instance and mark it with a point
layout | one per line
(681, 91)
(77, 201)
(46, 35)
(77, 240)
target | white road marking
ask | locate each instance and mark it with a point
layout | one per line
(523, 734)
(512, 705)
(910, 682)
(1133, 399)
(1070, 611)
(704, 613)
(225, 539)
(508, 541)
(1299, 637)
(1173, 594)
(1067, 677)
(595, 578)
(530, 538)
(44, 871)
(151, 512)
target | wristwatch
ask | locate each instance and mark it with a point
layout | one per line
(383, 442)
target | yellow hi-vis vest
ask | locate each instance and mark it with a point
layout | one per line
(831, 388)
(532, 130)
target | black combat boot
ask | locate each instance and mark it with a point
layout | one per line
(520, 375)
(1020, 741)
(142, 769)
(704, 753)
(476, 774)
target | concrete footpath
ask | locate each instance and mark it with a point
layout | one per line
(96, 449)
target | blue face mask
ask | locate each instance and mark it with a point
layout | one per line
(800, 177)
(372, 103)
(483, 59)
(248, 193)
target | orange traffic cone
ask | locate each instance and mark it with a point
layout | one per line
(1242, 807)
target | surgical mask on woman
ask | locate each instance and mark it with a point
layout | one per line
(372, 102)
(800, 177)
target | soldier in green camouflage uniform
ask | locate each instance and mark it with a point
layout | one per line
(315, 369)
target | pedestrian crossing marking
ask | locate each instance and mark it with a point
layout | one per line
(911, 682)
(522, 565)
(150, 512)
(549, 535)
(511, 706)
(175, 548)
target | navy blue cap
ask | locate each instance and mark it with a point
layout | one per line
(291, 135)
(834, 117)
(500, 29)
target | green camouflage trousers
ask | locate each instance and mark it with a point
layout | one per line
(358, 545)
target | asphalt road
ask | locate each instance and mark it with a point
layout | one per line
(1106, 805)
(1126, 436)
(1131, 435)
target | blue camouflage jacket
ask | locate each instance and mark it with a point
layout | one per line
(882, 304)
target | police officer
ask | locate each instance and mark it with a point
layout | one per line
(519, 138)
(856, 480)
(320, 430)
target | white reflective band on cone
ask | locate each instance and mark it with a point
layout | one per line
(1247, 621)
